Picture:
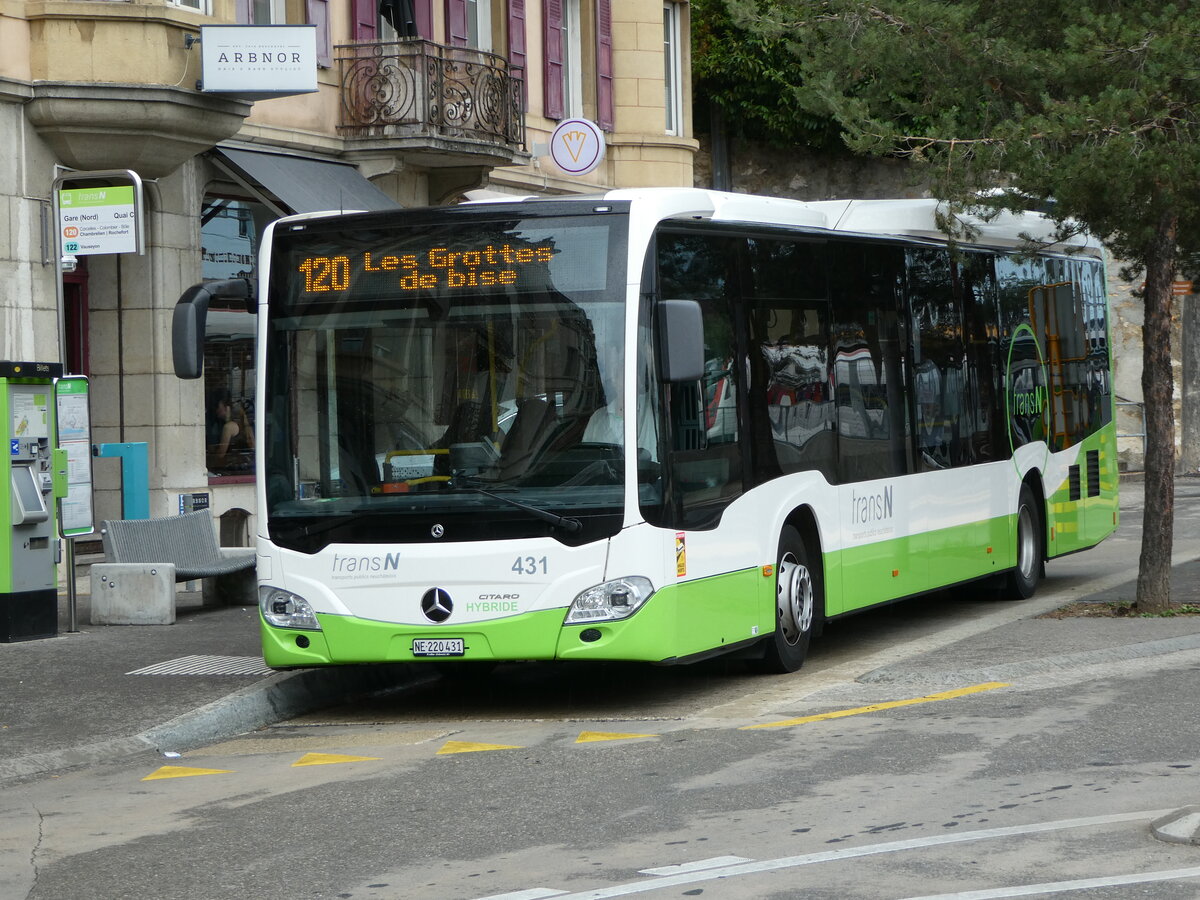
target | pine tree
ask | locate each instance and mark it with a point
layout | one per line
(1091, 109)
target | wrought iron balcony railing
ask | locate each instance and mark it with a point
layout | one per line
(419, 87)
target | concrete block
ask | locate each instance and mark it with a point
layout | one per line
(235, 589)
(133, 594)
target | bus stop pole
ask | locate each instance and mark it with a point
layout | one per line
(60, 306)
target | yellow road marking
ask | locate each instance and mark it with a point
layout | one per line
(876, 707)
(451, 747)
(468, 747)
(183, 772)
(329, 759)
(587, 737)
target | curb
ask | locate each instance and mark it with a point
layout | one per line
(284, 695)
(1179, 827)
(278, 697)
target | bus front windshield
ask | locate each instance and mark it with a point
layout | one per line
(445, 376)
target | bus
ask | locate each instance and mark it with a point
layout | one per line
(660, 424)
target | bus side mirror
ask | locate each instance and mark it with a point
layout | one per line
(680, 340)
(190, 317)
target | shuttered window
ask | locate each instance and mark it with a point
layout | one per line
(516, 41)
(604, 65)
(365, 20)
(552, 38)
(456, 23)
(318, 15)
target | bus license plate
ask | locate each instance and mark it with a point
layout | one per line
(437, 647)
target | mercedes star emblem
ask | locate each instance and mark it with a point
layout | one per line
(437, 605)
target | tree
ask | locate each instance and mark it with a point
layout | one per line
(748, 77)
(1091, 106)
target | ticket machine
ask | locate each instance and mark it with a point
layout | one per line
(32, 477)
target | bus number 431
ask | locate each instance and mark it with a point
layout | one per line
(527, 565)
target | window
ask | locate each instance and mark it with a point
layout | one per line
(577, 38)
(229, 232)
(468, 23)
(268, 12)
(704, 439)
(672, 69)
(283, 12)
(572, 60)
(868, 353)
(790, 395)
(1022, 290)
(200, 6)
(938, 360)
(980, 315)
(479, 24)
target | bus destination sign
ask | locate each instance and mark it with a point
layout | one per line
(433, 269)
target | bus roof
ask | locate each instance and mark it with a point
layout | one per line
(914, 219)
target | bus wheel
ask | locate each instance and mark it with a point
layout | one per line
(797, 601)
(1023, 579)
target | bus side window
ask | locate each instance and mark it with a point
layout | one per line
(937, 359)
(868, 350)
(790, 394)
(980, 316)
(1021, 387)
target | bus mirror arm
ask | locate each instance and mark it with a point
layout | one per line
(680, 340)
(190, 316)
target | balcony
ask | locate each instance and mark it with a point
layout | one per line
(439, 106)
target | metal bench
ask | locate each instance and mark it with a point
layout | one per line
(145, 558)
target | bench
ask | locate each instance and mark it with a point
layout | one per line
(145, 558)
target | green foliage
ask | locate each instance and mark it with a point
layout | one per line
(1093, 103)
(1186, 609)
(750, 78)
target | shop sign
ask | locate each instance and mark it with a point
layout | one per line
(577, 146)
(272, 60)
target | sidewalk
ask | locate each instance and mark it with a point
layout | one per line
(77, 698)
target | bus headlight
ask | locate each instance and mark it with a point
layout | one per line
(617, 599)
(283, 609)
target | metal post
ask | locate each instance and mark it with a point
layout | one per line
(60, 306)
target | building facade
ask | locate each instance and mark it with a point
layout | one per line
(417, 102)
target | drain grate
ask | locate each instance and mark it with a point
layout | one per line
(207, 665)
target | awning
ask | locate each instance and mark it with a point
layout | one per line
(302, 184)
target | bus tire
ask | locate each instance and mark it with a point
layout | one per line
(1023, 580)
(798, 602)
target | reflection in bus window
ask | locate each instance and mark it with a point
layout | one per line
(868, 352)
(792, 391)
(938, 359)
(706, 460)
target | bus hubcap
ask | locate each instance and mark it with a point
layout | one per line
(1025, 542)
(794, 598)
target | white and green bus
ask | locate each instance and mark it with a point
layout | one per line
(661, 424)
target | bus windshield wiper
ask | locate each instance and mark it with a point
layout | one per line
(569, 524)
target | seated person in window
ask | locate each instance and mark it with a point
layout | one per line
(228, 441)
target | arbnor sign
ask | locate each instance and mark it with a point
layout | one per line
(259, 61)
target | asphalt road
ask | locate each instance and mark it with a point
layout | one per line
(957, 747)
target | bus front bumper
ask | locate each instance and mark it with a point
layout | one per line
(345, 640)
